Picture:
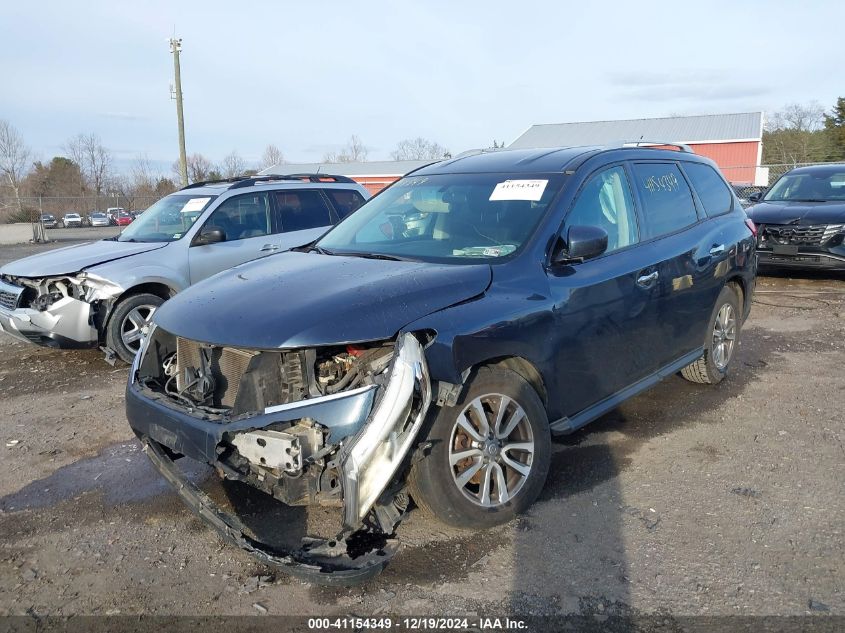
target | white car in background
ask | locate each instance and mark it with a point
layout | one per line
(113, 213)
(71, 220)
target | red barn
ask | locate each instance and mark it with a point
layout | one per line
(733, 141)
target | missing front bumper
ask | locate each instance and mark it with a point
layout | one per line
(326, 562)
(369, 433)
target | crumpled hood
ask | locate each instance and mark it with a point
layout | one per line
(803, 212)
(307, 299)
(72, 259)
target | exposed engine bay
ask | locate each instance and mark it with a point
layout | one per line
(331, 426)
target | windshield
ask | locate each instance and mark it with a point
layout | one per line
(167, 220)
(820, 186)
(447, 218)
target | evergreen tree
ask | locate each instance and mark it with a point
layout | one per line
(834, 124)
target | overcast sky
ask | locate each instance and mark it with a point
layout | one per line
(306, 75)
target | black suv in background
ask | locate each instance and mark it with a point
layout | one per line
(430, 344)
(801, 219)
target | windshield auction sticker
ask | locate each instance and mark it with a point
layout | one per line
(519, 190)
(194, 204)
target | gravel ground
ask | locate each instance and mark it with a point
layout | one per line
(687, 500)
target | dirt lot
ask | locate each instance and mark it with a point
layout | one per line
(686, 500)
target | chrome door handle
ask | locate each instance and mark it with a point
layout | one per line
(647, 280)
(717, 249)
(269, 247)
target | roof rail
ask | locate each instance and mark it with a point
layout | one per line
(218, 181)
(475, 152)
(646, 144)
(248, 181)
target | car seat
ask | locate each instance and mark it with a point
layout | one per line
(253, 220)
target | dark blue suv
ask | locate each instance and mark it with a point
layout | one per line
(429, 345)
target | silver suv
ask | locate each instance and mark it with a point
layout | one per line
(104, 293)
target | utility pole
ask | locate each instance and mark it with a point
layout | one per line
(176, 48)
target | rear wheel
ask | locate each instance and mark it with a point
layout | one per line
(489, 456)
(129, 322)
(720, 344)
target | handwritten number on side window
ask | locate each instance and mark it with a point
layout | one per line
(665, 183)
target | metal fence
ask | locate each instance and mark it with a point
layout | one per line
(29, 209)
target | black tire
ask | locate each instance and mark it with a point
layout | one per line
(123, 317)
(434, 481)
(710, 369)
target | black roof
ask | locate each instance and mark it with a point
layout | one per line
(828, 169)
(550, 160)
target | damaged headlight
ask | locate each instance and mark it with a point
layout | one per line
(369, 461)
(96, 288)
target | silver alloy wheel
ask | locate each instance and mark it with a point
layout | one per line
(491, 450)
(724, 336)
(134, 326)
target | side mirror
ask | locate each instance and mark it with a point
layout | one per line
(583, 242)
(209, 236)
(755, 197)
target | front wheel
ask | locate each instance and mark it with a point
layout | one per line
(128, 324)
(490, 453)
(720, 344)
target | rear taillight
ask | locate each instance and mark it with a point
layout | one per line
(751, 226)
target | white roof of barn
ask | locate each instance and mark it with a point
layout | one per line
(369, 168)
(714, 128)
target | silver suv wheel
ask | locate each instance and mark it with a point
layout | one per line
(491, 450)
(724, 336)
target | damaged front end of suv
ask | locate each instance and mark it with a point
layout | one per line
(330, 426)
(57, 310)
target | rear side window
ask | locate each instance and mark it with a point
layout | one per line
(711, 189)
(300, 209)
(667, 200)
(345, 200)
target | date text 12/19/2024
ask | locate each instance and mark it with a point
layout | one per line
(417, 624)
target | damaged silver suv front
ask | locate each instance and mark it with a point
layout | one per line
(57, 310)
(331, 426)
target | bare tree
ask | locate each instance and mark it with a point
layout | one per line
(419, 149)
(14, 158)
(272, 156)
(795, 135)
(142, 180)
(199, 168)
(88, 152)
(233, 165)
(354, 151)
(799, 117)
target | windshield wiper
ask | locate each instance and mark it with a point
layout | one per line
(392, 258)
(808, 200)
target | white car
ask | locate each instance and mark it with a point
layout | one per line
(99, 219)
(113, 213)
(71, 220)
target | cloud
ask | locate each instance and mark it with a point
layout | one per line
(691, 85)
